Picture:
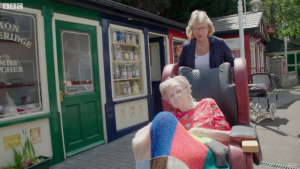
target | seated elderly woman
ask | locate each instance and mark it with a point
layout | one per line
(193, 136)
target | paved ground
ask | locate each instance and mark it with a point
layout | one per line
(280, 140)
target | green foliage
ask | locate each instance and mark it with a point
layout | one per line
(285, 14)
(9, 167)
(27, 157)
(180, 10)
(18, 158)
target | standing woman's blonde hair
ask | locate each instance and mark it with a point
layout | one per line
(199, 17)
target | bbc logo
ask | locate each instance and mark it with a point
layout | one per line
(12, 5)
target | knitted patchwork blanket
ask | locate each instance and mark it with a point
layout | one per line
(165, 144)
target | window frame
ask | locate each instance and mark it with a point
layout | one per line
(252, 54)
(42, 69)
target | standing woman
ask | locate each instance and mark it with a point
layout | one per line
(203, 51)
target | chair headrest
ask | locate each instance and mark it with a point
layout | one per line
(214, 83)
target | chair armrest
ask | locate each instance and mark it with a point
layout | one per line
(250, 146)
(242, 91)
(170, 70)
(241, 133)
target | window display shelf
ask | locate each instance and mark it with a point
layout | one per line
(127, 62)
(125, 44)
(121, 61)
(127, 79)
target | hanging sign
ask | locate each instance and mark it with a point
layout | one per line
(14, 141)
(9, 34)
(271, 28)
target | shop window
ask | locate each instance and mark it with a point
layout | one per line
(177, 47)
(20, 86)
(262, 63)
(127, 62)
(291, 59)
(258, 58)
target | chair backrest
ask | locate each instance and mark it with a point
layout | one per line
(217, 84)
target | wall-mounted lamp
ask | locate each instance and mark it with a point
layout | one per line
(130, 19)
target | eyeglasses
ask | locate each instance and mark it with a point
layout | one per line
(199, 29)
(177, 92)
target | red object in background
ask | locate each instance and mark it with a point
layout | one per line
(236, 53)
(284, 67)
(271, 28)
(178, 50)
(174, 34)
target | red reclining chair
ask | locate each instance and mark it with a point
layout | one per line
(233, 100)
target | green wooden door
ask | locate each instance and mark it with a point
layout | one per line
(79, 86)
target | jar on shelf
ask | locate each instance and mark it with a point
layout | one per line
(133, 39)
(118, 89)
(120, 37)
(127, 88)
(136, 56)
(126, 56)
(133, 72)
(127, 37)
(130, 55)
(136, 70)
(117, 71)
(123, 72)
(135, 88)
(129, 71)
(115, 37)
(118, 53)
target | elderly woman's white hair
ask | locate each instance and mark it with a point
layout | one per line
(167, 83)
(199, 17)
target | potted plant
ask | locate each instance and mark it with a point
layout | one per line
(28, 160)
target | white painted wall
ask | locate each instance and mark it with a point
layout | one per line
(155, 60)
(140, 108)
(43, 148)
(233, 43)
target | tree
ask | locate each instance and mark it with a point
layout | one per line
(180, 10)
(285, 14)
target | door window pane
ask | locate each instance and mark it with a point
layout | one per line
(20, 86)
(291, 68)
(291, 58)
(77, 62)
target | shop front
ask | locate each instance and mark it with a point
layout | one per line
(74, 78)
(276, 47)
(24, 104)
(255, 38)
(51, 68)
